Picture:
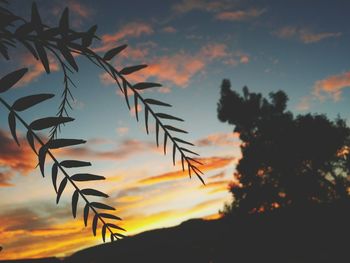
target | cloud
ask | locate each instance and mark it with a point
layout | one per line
(35, 69)
(131, 30)
(5, 177)
(202, 5)
(303, 34)
(78, 11)
(332, 86)
(177, 69)
(15, 159)
(216, 186)
(304, 103)
(310, 37)
(32, 234)
(127, 148)
(220, 139)
(181, 67)
(240, 15)
(209, 164)
(122, 130)
(169, 29)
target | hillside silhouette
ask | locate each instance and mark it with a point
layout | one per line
(317, 234)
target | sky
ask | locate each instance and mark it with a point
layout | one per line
(297, 46)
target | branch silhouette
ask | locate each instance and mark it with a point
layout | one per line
(63, 41)
(26, 102)
(63, 44)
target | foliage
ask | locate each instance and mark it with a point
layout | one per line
(286, 160)
(64, 44)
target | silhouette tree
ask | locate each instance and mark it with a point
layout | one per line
(63, 44)
(286, 160)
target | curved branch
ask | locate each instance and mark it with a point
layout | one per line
(58, 164)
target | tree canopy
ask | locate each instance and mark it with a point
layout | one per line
(286, 160)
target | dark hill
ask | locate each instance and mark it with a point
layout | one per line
(312, 234)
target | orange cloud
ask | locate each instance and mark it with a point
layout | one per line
(216, 186)
(180, 68)
(131, 30)
(240, 15)
(332, 86)
(127, 148)
(310, 37)
(15, 159)
(35, 67)
(209, 164)
(122, 130)
(169, 29)
(25, 234)
(220, 139)
(304, 35)
(5, 177)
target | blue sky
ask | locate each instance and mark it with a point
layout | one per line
(300, 47)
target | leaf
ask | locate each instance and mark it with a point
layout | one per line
(165, 140)
(189, 169)
(174, 153)
(198, 172)
(30, 48)
(125, 91)
(30, 140)
(194, 160)
(48, 122)
(88, 36)
(4, 52)
(86, 214)
(86, 177)
(61, 188)
(75, 198)
(168, 127)
(68, 56)
(42, 156)
(61, 143)
(64, 21)
(156, 102)
(132, 69)
(109, 216)
(146, 119)
(135, 105)
(43, 56)
(146, 85)
(29, 101)
(74, 164)
(157, 133)
(94, 224)
(54, 173)
(101, 206)
(182, 141)
(89, 191)
(12, 125)
(35, 19)
(182, 162)
(167, 116)
(11, 79)
(113, 52)
(103, 232)
(23, 30)
(115, 226)
(111, 236)
(186, 150)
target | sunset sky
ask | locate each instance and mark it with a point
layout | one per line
(301, 47)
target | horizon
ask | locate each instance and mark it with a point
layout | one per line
(190, 47)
